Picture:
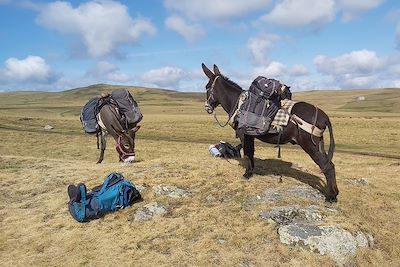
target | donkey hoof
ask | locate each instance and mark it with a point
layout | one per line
(331, 199)
(247, 175)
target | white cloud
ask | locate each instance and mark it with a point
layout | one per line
(298, 13)
(358, 69)
(356, 62)
(168, 77)
(298, 70)
(272, 70)
(352, 8)
(396, 84)
(359, 81)
(189, 32)
(215, 9)
(102, 25)
(107, 72)
(32, 69)
(260, 46)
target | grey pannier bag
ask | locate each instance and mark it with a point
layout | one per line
(88, 116)
(128, 107)
(259, 109)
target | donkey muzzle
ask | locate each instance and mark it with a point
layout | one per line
(129, 159)
(208, 108)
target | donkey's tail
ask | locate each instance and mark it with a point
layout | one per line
(332, 140)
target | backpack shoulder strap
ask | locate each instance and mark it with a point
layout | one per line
(82, 214)
(111, 179)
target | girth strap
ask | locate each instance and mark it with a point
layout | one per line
(308, 127)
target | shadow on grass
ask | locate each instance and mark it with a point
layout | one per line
(285, 168)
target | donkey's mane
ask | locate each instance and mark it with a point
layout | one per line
(232, 83)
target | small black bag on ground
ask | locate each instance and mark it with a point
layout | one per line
(225, 150)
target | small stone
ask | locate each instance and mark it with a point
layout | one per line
(170, 191)
(221, 241)
(48, 127)
(210, 198)
(147, 212)
(360, 181)
(140, 187)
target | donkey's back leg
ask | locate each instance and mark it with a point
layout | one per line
(316, 152)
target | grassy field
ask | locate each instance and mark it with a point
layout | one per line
(210, 227)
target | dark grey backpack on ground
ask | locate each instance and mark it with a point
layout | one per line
(128, 107)
(260, 107)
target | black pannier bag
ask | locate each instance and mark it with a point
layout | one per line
(88, 116)
(260, 107)
(128, 107)
(225, 150)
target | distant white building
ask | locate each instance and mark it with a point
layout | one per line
(360, 98)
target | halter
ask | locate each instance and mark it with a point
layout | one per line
(211, 90)
(231, 116)
(121, 151)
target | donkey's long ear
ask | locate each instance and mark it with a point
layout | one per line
(134, 129)
(207, 71)
(216, 70)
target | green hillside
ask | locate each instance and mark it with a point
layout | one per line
(375, 100)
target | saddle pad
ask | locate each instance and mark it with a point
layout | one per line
(282, 117)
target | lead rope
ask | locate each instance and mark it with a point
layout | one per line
(221, 125)
(229, 117)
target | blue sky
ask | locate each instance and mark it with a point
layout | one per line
(308, 44)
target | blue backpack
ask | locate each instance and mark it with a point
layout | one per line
(113, 194)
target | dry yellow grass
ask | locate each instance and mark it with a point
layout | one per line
(208, 228)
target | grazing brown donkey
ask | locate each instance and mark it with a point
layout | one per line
(224, 92)
(110, 122)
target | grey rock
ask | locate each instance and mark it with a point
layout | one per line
(360, 181)
(147, 212)
(221, 241)
(271, 195)
(306, 192)
(170, 191)
(48, 127)
(292, 214)
(333, 241)
(140, 187)
(210, 199)
(266, 196)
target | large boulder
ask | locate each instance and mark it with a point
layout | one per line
(333, 241)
